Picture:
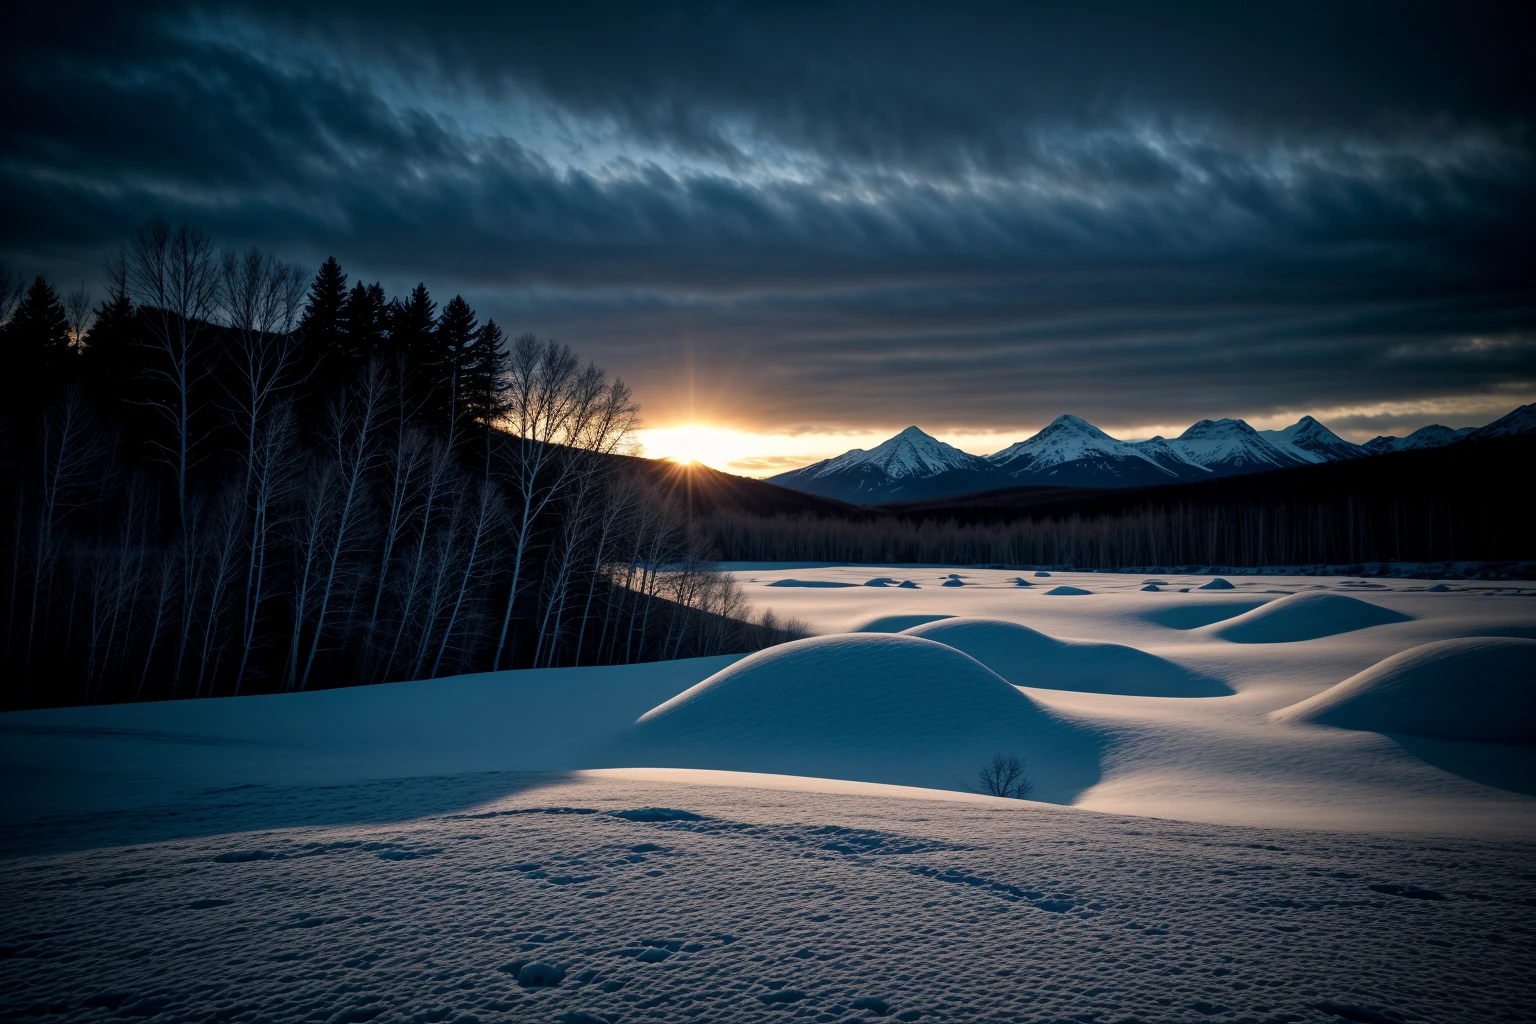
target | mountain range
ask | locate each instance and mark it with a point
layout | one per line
(1071, 452)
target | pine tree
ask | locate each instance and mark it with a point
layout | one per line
(110, 364)
(412, 331)
(485, 383)
(365, 315)
(323, 356)
(38, 336)
(457, 332)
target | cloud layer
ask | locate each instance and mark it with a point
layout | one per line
(847, 218)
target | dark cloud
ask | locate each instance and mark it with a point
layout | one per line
(845, 216)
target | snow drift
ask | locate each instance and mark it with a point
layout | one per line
(868, 707)
(1028, 657)
(1305, 617)
(896, 623)
(1480, 688)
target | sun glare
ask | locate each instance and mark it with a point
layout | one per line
(711, 446)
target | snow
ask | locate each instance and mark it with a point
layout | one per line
(1027, 657)
(1467, 689)
(1228, 443)
(1305, 617)
(790, 833)
(910, 453)
(1310, 441)
(866, 706)
(837, 903)
(1520, 422)
(1066, 439)
(1432, 436)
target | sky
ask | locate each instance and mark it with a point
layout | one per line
(796, 229)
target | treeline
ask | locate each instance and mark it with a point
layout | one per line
(1463, 503)
(229, 477)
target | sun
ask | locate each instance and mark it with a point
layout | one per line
(715, 447)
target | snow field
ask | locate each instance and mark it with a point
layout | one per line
(558, 903)
(891, 708)
(1480, 689)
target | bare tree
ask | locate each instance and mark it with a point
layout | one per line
(13, 286)
(78, 314)
(261, 297)
(69, 446)
(560, 413)
(487, 512)
(174, 272)
(1004, 776)
(272, 464)
(351, 448)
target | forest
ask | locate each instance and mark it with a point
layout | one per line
(228, 476)
(1465, 502)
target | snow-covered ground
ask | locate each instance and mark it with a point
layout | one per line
(1232, 831)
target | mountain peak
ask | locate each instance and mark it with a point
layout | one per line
(1310, 441)
(1225, 427)
(1066, 419)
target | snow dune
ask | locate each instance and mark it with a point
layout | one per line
(895, 623)
(1481, 689)
(1305, 616)
(815, 584)
(1028, 657)
(875, 707)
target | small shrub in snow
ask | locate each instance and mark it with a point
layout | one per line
(1004, 776)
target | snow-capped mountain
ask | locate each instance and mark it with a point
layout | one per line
(1071, 452)
(891, 471)
(1310, 441)
(1231, 446)
(1432, 436)
(1521, 422)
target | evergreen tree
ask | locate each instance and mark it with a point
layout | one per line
(457, 333)
(366, 316)
(110, 363)
(323, 356)
(485, 383)
(39, 353)
(412, 338)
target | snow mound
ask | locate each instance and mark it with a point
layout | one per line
(908, 585)
(896, 623)
(1216, 584)
(880, 581)
(1153, 587)
(1066, 591)
(1196, 614)
(810, 583)
(952, 583)
(1028, 657)
(1020, 581)
(867, 707)
(1042, 574)
(1305, 616)
(1480, 688)
(1439, 588)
